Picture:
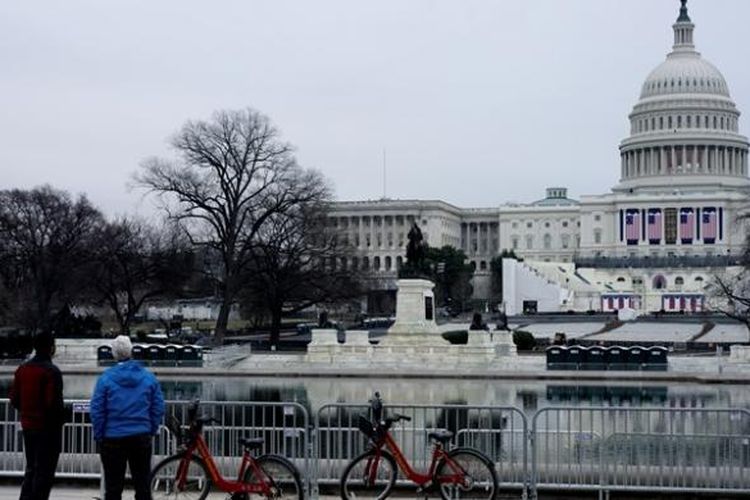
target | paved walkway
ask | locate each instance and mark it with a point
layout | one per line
(59, 492)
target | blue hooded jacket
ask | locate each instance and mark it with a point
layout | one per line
(127, 401)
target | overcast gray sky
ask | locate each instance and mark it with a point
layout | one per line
(477, 102)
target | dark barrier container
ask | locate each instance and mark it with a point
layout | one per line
(596, 358)
(557, 357)
(656, 359)
(104, 355)
(171, 354)
(616, 357)
(140, 353)
(576, 357)
(190, 356)
(156, 354)
(635, 357)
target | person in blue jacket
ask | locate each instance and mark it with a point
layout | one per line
(126, 410)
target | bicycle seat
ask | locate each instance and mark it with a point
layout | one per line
(441, 436)
(251, 443)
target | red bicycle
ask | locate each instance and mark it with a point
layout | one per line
(192, 471)
(458, 473)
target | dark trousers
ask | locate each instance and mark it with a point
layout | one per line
(42, 449)
(134, 451)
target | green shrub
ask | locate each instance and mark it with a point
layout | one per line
(456, 336)
(524, 341)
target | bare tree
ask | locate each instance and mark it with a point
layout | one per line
(729, 293)
(45, 243)
(138, 262)
(231, 175)
(299, 262)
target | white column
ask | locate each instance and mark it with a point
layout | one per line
(662, 159)
(737, 161)
(674, 160)
(683, 163)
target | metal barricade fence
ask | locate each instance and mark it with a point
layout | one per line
(78, 458)
(641, 449)
(565, 448)
(499, 432)
(284, 426)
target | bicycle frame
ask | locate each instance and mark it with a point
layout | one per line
(263, 486)
(405, 467)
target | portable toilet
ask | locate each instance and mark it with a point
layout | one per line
(656, 359)
(576, 356)
(596, 358)
(616, 358)
(557, 357)
(635, 358)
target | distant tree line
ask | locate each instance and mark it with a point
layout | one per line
(242, 221)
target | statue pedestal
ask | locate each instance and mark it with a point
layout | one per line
(415, 317)
(503, 341)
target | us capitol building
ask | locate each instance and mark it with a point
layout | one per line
(653, 243)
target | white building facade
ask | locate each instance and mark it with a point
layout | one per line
(671, 222)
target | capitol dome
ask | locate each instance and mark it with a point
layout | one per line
(684, 129)
(685, 73)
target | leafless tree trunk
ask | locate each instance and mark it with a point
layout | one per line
(137, 262)
(45, 243)
(231, 174)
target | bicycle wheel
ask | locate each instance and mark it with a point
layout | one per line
(466, 474)
(282, 473)
(369, 476)
(164, 480)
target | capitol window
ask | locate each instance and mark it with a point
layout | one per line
(529, 224)
(546, 224)
(597, 217)
(597, 236)
(529, 242)
(565, 223)
(514, 225)
(547, 241)
(514, 243)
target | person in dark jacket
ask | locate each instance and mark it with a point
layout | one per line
(126, 410)
(37, 395)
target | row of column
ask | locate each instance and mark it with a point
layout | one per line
(478, 237)
(677, 160)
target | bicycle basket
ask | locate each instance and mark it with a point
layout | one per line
(365, 427)
(175, 427)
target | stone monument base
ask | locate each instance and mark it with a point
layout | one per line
(413, 341)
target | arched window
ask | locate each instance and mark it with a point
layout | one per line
(679, 280)
(660, 282)
(376, 263)
(621, 279)
(355, 263)
(388, 263)
(547, 241)
(473, 265)
(483, 265)
(344, 263)
(699, 279)
(529, 242)
(399, 262)
(365, 263)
